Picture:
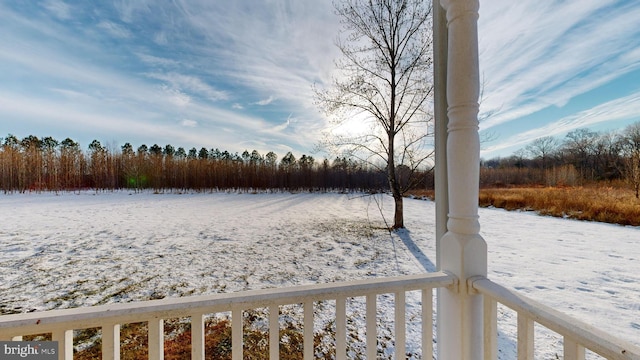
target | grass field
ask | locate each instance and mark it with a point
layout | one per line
(612, 205)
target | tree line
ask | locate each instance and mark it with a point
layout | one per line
(583, 156)
(46, 164)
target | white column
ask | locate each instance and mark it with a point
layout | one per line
(441, 122)
(440, 53)
(464, 252)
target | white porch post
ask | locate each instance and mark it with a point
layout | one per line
(463, 251)
(441, 122)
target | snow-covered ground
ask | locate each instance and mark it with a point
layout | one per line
(70, 250)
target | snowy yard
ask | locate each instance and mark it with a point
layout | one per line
(70, 250)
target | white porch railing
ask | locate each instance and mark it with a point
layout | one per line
(577, 336)
(61, 323)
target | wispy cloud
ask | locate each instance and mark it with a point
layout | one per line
(189, 123)
(81, 92)
(153, 77)
(96, 119)
(281, 127)
(265, 102)
(168, 63)
(58, 8)
(175, 96)
(188, 83)
(235, 32)
(618, 109)
(129, 10)
(536, 54)
(157, 61)
(114, 29)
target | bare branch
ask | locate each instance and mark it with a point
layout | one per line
(384, 76)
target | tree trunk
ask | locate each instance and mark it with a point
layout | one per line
(398, 216)
(394, 186)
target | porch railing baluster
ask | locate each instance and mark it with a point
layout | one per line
(111, 341)
(156, 338)
(65, 343)
(372, 327)
(237, 334)
(341, 328)
(578, 335)
(427, 321)
(197, 337)
(60, 324)
(400, 325)
(525, 337)
(308, 330)
(572, 350)
(490, 329)
(274, 332)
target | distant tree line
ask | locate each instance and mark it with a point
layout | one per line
(46, 164)
(581, 157)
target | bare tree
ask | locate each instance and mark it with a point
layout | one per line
(383, 84)
(542, 148)
(11, 163)
(630, 151)
(51, 168)
(580, 145)
(98, 165)
(32, 172)
(71, 164)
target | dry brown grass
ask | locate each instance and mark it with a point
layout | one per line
(177, 346)
(603, 204)
(613, 205)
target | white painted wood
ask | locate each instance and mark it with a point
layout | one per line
(65, 343)
(111, 341)
(463, 251)
(572, 350)
(156, 338)
(237, 334)
(11, 338)
(463, 142)
(372, 326)
(274, 332)
(308, 330)
(96, 316)
(427, 324)
(440, 37)
(341, 328)
(59, 322)
(490, 329)
(400, 325)
(440, 51)
(583, 334)
(525, 337)
(197, 336)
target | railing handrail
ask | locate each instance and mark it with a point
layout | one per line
(60, 321)
(580, 332)
(88, 317)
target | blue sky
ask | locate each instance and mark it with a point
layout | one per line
(238, 75)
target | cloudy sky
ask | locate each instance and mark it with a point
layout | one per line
(238, 74)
